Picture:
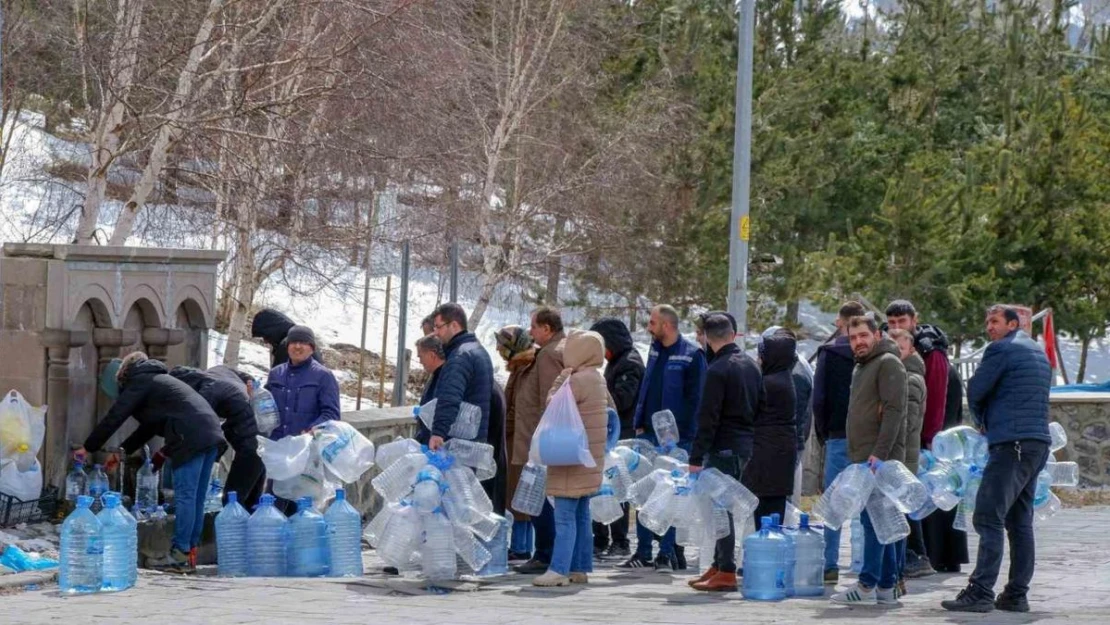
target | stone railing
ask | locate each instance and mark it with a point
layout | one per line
(1086, 418)
(380, 425)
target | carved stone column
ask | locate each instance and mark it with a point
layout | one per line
(158, 341)
(55, 454)
(109, 342)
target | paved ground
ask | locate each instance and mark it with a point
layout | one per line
(1072, 585)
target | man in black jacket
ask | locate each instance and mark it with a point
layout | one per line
(191, 429)
(624, 371)
(730, 404)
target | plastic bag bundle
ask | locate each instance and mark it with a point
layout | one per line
(345, 451)
(560, 438)
(316, 463)
(22, 428)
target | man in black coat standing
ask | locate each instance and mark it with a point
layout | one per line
(624, 372)
(731, 402)
(770, 474)
(167, 407)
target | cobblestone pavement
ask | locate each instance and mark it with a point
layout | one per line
(1072, 585)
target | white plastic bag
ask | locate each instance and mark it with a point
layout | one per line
(560, 438)
(23, 485)
(22, 428)
(285, 458)
(344, 450)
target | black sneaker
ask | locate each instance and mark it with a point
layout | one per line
(679, 560)
(532, 567)
(969, 600)
(663, 564)
(635, 562)
(832, 576)
(391, 570)
(519, 556)
(617, 551)
(1011, 603)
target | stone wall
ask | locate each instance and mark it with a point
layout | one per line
(380, 425)
(1086, 418)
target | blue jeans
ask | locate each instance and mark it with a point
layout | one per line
(836, 460)
(1004, 506)
(190, 487)
(574, 537)
(522, 537)
(544, 524)
(880, 562)
(644, 536)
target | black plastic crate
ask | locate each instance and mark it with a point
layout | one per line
(15, 511)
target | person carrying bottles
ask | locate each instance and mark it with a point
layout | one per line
(429, 351)
(467, 375)
(770, 474)
(1008, 397)
(572, 486)
(915, 413)
(876, 430)
(672, 381)
(731, 402)
(305, 391)
(516, 348)
(191, 430)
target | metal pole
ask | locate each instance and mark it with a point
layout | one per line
(402, 322)
(385, 341)
(454, 262)
(365, 314)
(741, 169)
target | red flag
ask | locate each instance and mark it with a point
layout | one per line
(1050, 340)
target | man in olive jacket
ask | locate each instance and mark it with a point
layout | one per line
(876, 422)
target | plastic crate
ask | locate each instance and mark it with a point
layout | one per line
(15, 511)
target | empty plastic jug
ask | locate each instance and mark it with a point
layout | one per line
(498, 546)
(231, 538)
(846, 496)
(973, 477)
(945, 485)
(765, 564)
(925, 510)
(791, 554)
(438, 548)
(470, 549)
(461, 479)
(344, 544)
(469, 453)
(643, 488)
(120, 536)
(81, 551)
(98, 485)
(376, 528)
(467, 423)
(809, 567)
(617, 476)
(1044, 488)
(76, 482)
(604, 506)
(858, 541)
(266, 540)
(308, 541)
(889, 522)
(962, 519)
(1048, 508)
(900, 485)
(1064, 474)
(658, 513)
(637, 465)
(926, 461)
(427, 413)
(531, 490)
(1059, 436)
(962, 442)
(392, 451)
(401, 536)
(215, 499)
(666, 428)
(426, 496)
(397, 481)
(344, 450)
(146, 488)
(265, 409)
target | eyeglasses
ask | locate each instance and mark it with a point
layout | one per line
(437, 326)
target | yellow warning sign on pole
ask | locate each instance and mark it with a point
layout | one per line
(745, 228)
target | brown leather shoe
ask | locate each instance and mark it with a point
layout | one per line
(721, 582)
(704, 577)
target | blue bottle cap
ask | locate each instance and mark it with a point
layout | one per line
(804, 522)
(340, 494)
(84, 501)
(266, 500)
(232, 497)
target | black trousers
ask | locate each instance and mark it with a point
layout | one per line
(615, 533)
(246, 477)
(724, 554)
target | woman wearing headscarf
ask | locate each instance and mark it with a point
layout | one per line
(515, 346)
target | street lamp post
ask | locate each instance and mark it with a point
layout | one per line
(740, 223)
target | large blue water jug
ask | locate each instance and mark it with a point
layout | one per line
(344, 538)
(809, 572)
(791, 555)
(231, 538)
(765, 564)
(120, 539)
(266, 540)
(81, 551)
(308, 541)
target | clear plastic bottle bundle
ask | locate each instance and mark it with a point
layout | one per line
(1065, 474)
(889, 522)
(266, 540)
(531, 490)
(604, 506)
(900, 485)
(765, 564)
(76, 483)
(1059, 436)
(231, 539)
(846, 496)
(470, 453)
(120, 540)
(81, 566)
(615, 473)
(396, 482)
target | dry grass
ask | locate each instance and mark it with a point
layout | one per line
(1081, 497)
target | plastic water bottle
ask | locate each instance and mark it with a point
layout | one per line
(926, 461)
(81, 551)
(266, 540)
(737, 498)
(925, 510)
(215, 499)
(1044, 487)
(486, 527)
(401, 536)
(344, 541)
(120, 545)
(668, 464)
(1048, 508)
(616, 474)
(467, 423)
(98, 485)
(945, 485)
(376, 528)
(396, 481)
(426, 496)
(265, 409)
(643, 488)
(962, 442)
(498, 546)
(604, 506)
(973, 477)
(471, 550)
(765, 564)
(394, 450)
(846, 496)
(1063, 473)
(469, 453)
(76, 483)
(461, 479)
(858, 542)
(666, 428)
(146, 488)
(159, 515)
(809, 549)
(531, 490)
(308, 541)
(1059, 436)
(636, 464)
(791, 557)
(658, 513)
(900, 485)
(438, 548)
(427, 414)
(961, 521)
(889, 522)
(231, 538)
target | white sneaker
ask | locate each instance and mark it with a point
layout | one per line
(551, 578)
(887, 596)
(856, 595)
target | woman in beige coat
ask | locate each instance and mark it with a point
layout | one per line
(572, 486)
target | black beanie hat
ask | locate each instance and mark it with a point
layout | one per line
(301, 334)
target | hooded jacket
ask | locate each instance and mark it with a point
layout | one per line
(522, 406)
(877, 409)
(271, 326)
(624, 372)
(306, 396)
(932, 344)
(915, 408)
(467, 375)
(1008, 394)
(832, 388)
(683, 375)
(770, 473)
(583, 355)
(803, 405)
(164, 406)
(730, 405)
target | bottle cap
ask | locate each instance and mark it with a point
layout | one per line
(84, 501)
(232, 497)
(340, 494)
(804, 520)
(266, 500)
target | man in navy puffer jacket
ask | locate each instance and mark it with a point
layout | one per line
(466, 376)
(1008, 396)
